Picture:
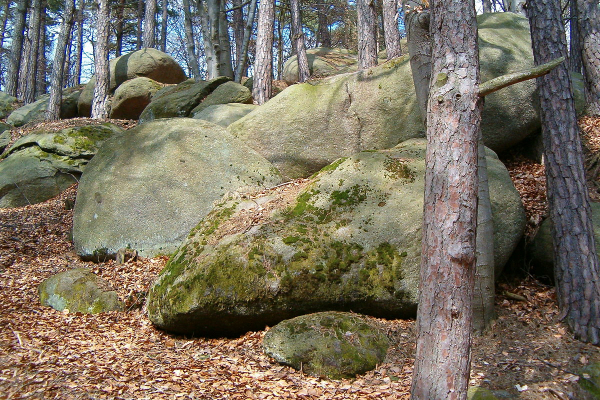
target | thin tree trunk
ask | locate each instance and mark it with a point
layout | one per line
(303, 70)
(280, 19)
(207, 31)
(575, 61)
(238, 29)
(487, 6)
(3, 22)
(163, 25)
(100, 100)
(79, 44)
(53, 111)
(16, 50)
(576, 268)
(119, 28)
(367, 33)
(140, 18)
(390, 27)
(444, 317)
(589, 35)
(67, 63)
(224, 56)
(262, 86)
(150, 23)
(42, 64)
(189, 39)
(35, 22)
(241, 65)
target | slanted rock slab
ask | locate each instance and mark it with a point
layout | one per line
(79, 290)
(332, 345)
(225, 114)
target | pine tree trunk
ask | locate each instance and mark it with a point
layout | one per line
(150, 24)
(209, 51)
(189, 40)
(298, 34)
(163, 26)
(66, 76)
(224, 56)
(3, 22)
(576, 268)
(56, 86)
(323, 36)
(575, 61)
(444, 317)
(262, 86)
(140, 19)
(390, 27)
(367, 34)
(16, 50)
(238, 29)
(487, 6)
(100, 100)
(280, 22)
(119, 28)
(42, 68)
(241, 65)
(34, 29)
(589, 35)
(79, 44)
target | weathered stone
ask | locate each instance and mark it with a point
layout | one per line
(180, 100)
(330, 344)
(36, 111)
(132, 97)
(350, 240)
(7, 104)
(228, 92)
(79, 290)
(40, 165)
(4, 136)
(225, 114)
(146, 190)
(322, 62)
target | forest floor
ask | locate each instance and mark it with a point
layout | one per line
(45, 354)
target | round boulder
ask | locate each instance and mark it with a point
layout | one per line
(322, 62)
(7, 104)
(333, 345)
(228, 92)
(36, 111)
(132, 97)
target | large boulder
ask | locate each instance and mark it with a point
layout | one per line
(42, 164)
(309, 125)
(7, 104)
(79, 290)
(322, 62)
(36, 111)
(225, 114)
(333, 345)
(132, 97)
(147, 189)
(149, 63)
(228, 92)
(180, 100)
(4, 136)
(350, 240)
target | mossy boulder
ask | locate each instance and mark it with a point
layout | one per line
(541, 249)
(322, 62)
(309, 125)
(147, 189)
(4, 135)
(350, 240)
(132, 97)
(333, 345)
(589, 380)
(180, 100)
(42, 164)
(79, 290)
(7, 104)
(36, 111)
(228, 92)
(225, 114)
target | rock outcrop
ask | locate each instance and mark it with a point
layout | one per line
(224, 114)
(36, 111)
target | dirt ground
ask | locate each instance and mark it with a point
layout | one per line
(45, 354)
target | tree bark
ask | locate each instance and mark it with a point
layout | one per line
(444, 317)
(298, 34)
(323, 36)
(367, 33)
(42, 63)
(16, 49)
(390, 28)
(150, 23)
(217, 48)
(576, 268)
(79, 44)
(119, 28)
(589, 35)
(225, 64)
(238, 29)
(280, 23)
(262, 86)
(100, 100)
(575, 61)
(487, 6)
(140, 18)
(163, 25)
(34, 30)
(3, 22)
(56, 86)
(189, 40)
(241, 65)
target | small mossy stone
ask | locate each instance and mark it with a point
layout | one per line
(78, 290)
(589, 379)
(334, 345)
(479, 393)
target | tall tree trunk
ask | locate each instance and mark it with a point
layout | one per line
(280, 22)
(16, 50)
(262, 86)
(323, 36)
(34, 30)
(56, 86)
(224, 56)
(238, 29)
(150, 23)
(79, 44)
(68, 50)
(575, 60)
(3, 21)
(390, 27)
(444, 315)
(303, 70)
(576, 268)
(241, 65)
(487, 6)
(163, 25)
(42, 64)
(140, 18)
(100, 100)
(589, 35)
(119, 28)
(189, 39)
(367, 33)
